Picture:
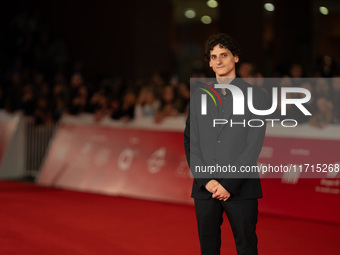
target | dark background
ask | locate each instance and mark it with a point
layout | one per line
(136, 38)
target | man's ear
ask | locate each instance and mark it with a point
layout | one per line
(236, 59)
(210, 64)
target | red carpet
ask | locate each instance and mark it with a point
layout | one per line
(36, 220)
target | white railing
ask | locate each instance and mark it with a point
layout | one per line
(37, 140)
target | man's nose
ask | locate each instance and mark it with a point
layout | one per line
(219, 60)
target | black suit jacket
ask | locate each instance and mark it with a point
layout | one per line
(224, 145)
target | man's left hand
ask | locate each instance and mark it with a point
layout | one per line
(220, 193)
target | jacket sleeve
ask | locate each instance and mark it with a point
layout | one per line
(192, 144)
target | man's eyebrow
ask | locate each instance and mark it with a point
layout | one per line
(225, 52)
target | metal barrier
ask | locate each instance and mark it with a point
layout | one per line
(37, 140)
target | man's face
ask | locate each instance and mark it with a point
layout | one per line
(223, 62)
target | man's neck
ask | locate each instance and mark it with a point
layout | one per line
(225, 80)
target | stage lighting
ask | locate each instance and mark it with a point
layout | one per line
(212, 3)
(269, 7)
(190, 14)
(206, 19)
(323, 10)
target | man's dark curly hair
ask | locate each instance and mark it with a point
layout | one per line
(224, 40)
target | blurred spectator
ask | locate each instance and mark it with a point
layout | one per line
(167, 107)
(336, 98)
(41, 87)
(78, 95)
(115, 109)
(157, 84)
(183, 98)
(146, 105)
(76, 81)
(79, 101)
(246, 69)
(28, 100)
(296, 71)
(59, 101)
(326, 66)
(127, 109)
(324, 114)
(43, 114)
(296, 74)
(100, 105)
(322, 88)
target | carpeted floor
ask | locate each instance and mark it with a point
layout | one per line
(37, 220)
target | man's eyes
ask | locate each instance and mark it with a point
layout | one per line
(223, 55)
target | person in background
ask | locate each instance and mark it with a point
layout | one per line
(183, 98)
(167, 107)
(246, 69)
(322, 88)
(43, 114)
(78, 103)
(146, 105)
(126, 110)
(28, 100)
(59, 100)
(295, 71)
(102, 107)
(324, 114)
(336, 98)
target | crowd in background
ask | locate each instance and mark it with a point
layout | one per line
(324, 104)
(38, 78)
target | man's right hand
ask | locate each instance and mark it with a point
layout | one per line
(210, 186)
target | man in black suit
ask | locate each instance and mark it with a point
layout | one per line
(236, 144)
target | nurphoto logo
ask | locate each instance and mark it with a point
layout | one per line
(239, 103)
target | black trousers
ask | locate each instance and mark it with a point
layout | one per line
(242, 216)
